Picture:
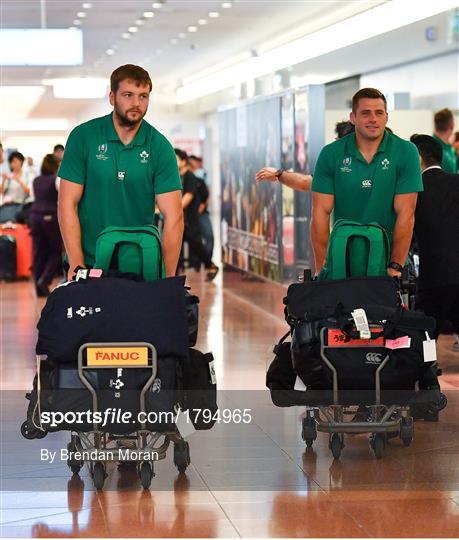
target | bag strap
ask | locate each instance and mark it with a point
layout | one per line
(105, 248)
(282, 339)
(337, 256)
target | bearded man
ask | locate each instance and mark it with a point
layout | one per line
(115, 168)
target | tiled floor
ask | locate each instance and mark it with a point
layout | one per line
(245, 480)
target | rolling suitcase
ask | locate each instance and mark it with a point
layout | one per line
(23, 238)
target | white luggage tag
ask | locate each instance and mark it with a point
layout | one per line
(299, 385)
(184, 423)
(361, 323)
(429, 347)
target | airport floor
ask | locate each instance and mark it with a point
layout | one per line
(245, 480)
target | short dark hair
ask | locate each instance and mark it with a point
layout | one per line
(17, 155)
(344, 128)
(371, 93)
(196, 158)
(429, 149)
(181, 154)
(132, 72)
(50, 164)
(58, 147)
(443, 120)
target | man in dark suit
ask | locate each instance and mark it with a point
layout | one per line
(436, 230)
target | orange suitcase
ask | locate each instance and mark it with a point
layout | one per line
(23, 247)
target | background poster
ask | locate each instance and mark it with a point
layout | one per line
(251, 214)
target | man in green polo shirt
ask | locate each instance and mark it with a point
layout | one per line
(114, 169)
(367, 176)
(444, 128)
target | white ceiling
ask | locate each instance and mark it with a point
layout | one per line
(249, 26)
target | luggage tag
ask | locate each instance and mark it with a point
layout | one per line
(361, 323)
(299, 385)
(95, 273)
(429, 347)
(183, 423)
(403, 342)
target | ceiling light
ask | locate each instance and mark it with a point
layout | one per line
(81, 14)
(182, 35)
(192, 29)
(77, 22)
(226, 5)
(378, 20)
(36, 124)
(202, 22)
(37, 47)
(110, 52)
(133, 29)
(173, 41)
(156, 5)
(126, 35)
(78, 88)
(148, 14)
(214, 14)
(87, 5)
(16, 102)
(139, 22)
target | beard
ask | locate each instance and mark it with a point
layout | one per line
(124, 119)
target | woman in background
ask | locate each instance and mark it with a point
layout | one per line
(46, 236)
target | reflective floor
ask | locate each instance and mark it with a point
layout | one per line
(245, 480)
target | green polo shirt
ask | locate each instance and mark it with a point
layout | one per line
(363, 191)
(120, 181)
(449, 161)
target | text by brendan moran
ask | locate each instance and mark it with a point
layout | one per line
(120, 454)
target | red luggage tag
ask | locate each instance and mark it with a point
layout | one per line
(337, 338)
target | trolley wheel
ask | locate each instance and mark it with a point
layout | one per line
(145, 474)
(407, 430)
(32, 433)
(378, 444)
(98, 475)
(309, 431)
(336, 445)
(181, 456)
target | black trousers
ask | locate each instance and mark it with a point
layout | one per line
(441, 303)
(197, 252)
(46, 246)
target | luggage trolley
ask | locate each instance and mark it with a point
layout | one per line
(382, 422)
(147, 447)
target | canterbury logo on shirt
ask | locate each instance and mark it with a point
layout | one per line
(367, 183)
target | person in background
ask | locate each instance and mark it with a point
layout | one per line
(196, 167)
(205, 223)
(444, 128)
(31, 170)
(456, 148)
(3, 170)
(436, 229)
(193, 191)
(58, 152)
(46, 236)
(14, 188)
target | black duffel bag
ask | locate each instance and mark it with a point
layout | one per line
(198, 385)
(114, 310)
(315, 300)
